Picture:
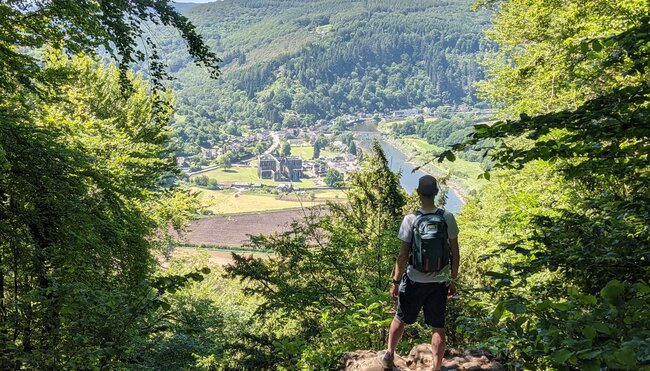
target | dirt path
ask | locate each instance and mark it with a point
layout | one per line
(233, 230)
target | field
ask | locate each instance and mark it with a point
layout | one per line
(422, 145)
(234, 230)
(236, 202)
(307, 152)
(215, 257)
(329, 194)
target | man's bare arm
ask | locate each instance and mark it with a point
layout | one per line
(402, 261)
(455, 257)
(400, 267)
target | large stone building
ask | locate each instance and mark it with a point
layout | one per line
(267, 167)
(286, 168)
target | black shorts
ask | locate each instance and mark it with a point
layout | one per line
(414, 296)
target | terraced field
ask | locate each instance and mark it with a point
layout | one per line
(234, 230)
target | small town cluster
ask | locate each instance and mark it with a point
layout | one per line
(262, 150)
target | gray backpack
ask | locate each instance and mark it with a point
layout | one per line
(430, 250)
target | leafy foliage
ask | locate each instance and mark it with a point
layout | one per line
(85, 197)
(333, 178)
(82, 27)
(569, 286)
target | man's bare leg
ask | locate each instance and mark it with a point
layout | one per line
(438, 343)
(395, 334)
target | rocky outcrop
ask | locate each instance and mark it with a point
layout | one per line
(420, 358)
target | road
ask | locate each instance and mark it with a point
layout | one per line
(276, 143)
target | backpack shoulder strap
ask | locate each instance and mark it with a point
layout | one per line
(417, 213)
(440, 212)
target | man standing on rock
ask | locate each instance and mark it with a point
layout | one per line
(422, 279)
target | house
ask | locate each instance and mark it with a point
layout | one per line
(210, 153)
(319, 170)
(338, 144)
(405, 112)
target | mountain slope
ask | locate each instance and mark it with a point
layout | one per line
(322, 59)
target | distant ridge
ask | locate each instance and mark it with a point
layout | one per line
(182, 7)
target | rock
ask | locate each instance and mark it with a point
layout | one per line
(478, 353)
(451, 352)
(472, 366)
(366, 360)
(421, 358)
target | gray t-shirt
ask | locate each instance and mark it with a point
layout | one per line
(406, 234)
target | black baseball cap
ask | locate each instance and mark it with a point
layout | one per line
(427, 186)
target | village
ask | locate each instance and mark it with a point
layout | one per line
(256, 160)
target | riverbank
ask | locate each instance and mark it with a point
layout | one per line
(451, 184)
(400, 161)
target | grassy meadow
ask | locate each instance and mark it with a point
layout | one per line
(239, 202)
(307, 152)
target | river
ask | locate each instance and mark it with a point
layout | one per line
(397, 161)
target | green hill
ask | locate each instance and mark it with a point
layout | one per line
(322, 59)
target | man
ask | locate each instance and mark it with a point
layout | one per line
(416, 290)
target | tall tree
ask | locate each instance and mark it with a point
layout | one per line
(82, 27)
(86, 202)
(85, 175)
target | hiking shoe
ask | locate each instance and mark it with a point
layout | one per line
(386, 359)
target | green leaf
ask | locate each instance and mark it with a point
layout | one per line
(589, 353)
(588, 300)
(623, 358)
(596, 46)
(643, 289)
(589, 332)
(515, 307)
(165, 305)
(613, 292)
(450, 156)
(561, 356)
(602, 328)
(562, 307)
(374, 306)
(498, 275)
(205, 270)
(497, 312)
(592, 365)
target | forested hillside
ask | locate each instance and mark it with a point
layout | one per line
(322, 59)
